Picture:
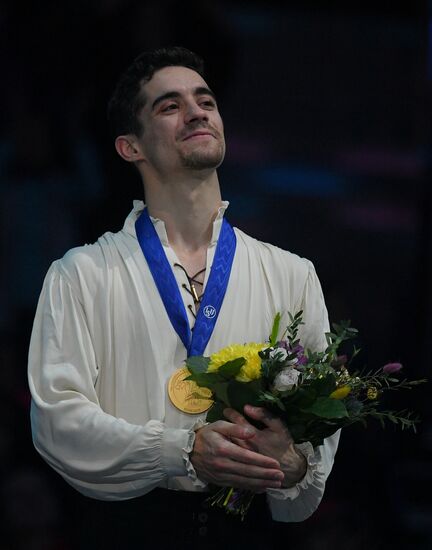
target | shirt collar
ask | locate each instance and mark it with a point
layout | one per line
(159, 225)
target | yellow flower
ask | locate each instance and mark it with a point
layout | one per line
(250, 370)
(341, 392)
(372, 393)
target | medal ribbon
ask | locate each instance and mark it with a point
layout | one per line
(194, 341)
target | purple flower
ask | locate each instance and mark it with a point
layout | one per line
(302, 360)
(391, 368)
(299, 351)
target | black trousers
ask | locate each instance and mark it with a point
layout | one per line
(170, 520)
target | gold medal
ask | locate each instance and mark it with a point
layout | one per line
(186, 395)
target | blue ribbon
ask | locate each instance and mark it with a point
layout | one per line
(194, 341)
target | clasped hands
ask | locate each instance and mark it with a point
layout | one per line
(236, 454)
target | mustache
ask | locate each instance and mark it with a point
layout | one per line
(199, 126)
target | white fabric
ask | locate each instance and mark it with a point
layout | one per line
(103, 349)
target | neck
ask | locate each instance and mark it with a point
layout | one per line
(188, 209)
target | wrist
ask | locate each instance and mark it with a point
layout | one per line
(294, 469)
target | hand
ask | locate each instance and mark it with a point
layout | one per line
(218, 459)
(274, 441)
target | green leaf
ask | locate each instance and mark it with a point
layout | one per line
(205, 379)
(215, 412)
(280, 404)
(318, 430)
(267, 396)
(197, 363)
(303, 397)
(267, 399)
(324, 386)
(324, 407)
(297, 431)
(243, 393)
(231, 368)
(275, 329)
(220, 391)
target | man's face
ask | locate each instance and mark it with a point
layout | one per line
(181, 121)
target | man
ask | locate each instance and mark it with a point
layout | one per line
(116, 319)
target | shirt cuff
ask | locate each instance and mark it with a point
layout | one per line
(313, 470)
(191, 473)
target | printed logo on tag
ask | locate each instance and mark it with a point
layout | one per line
(209, 312)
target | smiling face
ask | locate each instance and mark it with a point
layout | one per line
(182, 127)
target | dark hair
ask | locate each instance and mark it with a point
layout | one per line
(127, 100)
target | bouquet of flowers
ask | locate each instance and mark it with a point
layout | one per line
(314, 393)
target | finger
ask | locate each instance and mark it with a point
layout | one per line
(230, 450)
(228, 429)
(223, 470)
(236, 418)
(228, 466)
(263, 415)
(244, 443)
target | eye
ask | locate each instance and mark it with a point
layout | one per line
(208, 104)
(169, 107)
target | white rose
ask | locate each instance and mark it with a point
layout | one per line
(279, 353)
(286, 379)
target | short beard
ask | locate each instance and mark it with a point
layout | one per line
(203, 160)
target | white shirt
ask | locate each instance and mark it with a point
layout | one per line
(103, 349)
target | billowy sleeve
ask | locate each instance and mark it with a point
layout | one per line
(100, 455)
(299, 502)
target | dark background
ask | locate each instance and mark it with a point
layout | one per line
(327, 116)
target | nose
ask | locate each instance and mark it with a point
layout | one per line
(195, 113)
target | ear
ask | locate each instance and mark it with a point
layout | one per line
(128, 148)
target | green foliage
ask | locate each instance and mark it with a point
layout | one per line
(307, 409)
(324, 386)
(220, 392)
(215, 381)
(292, 328)
(197, 363)
(244, 393)
(215, 412)
(232, 368)
(324, 407)
(275, 330)
(341, 333)
(206, 379)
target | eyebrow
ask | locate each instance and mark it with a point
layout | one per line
(201, 90)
